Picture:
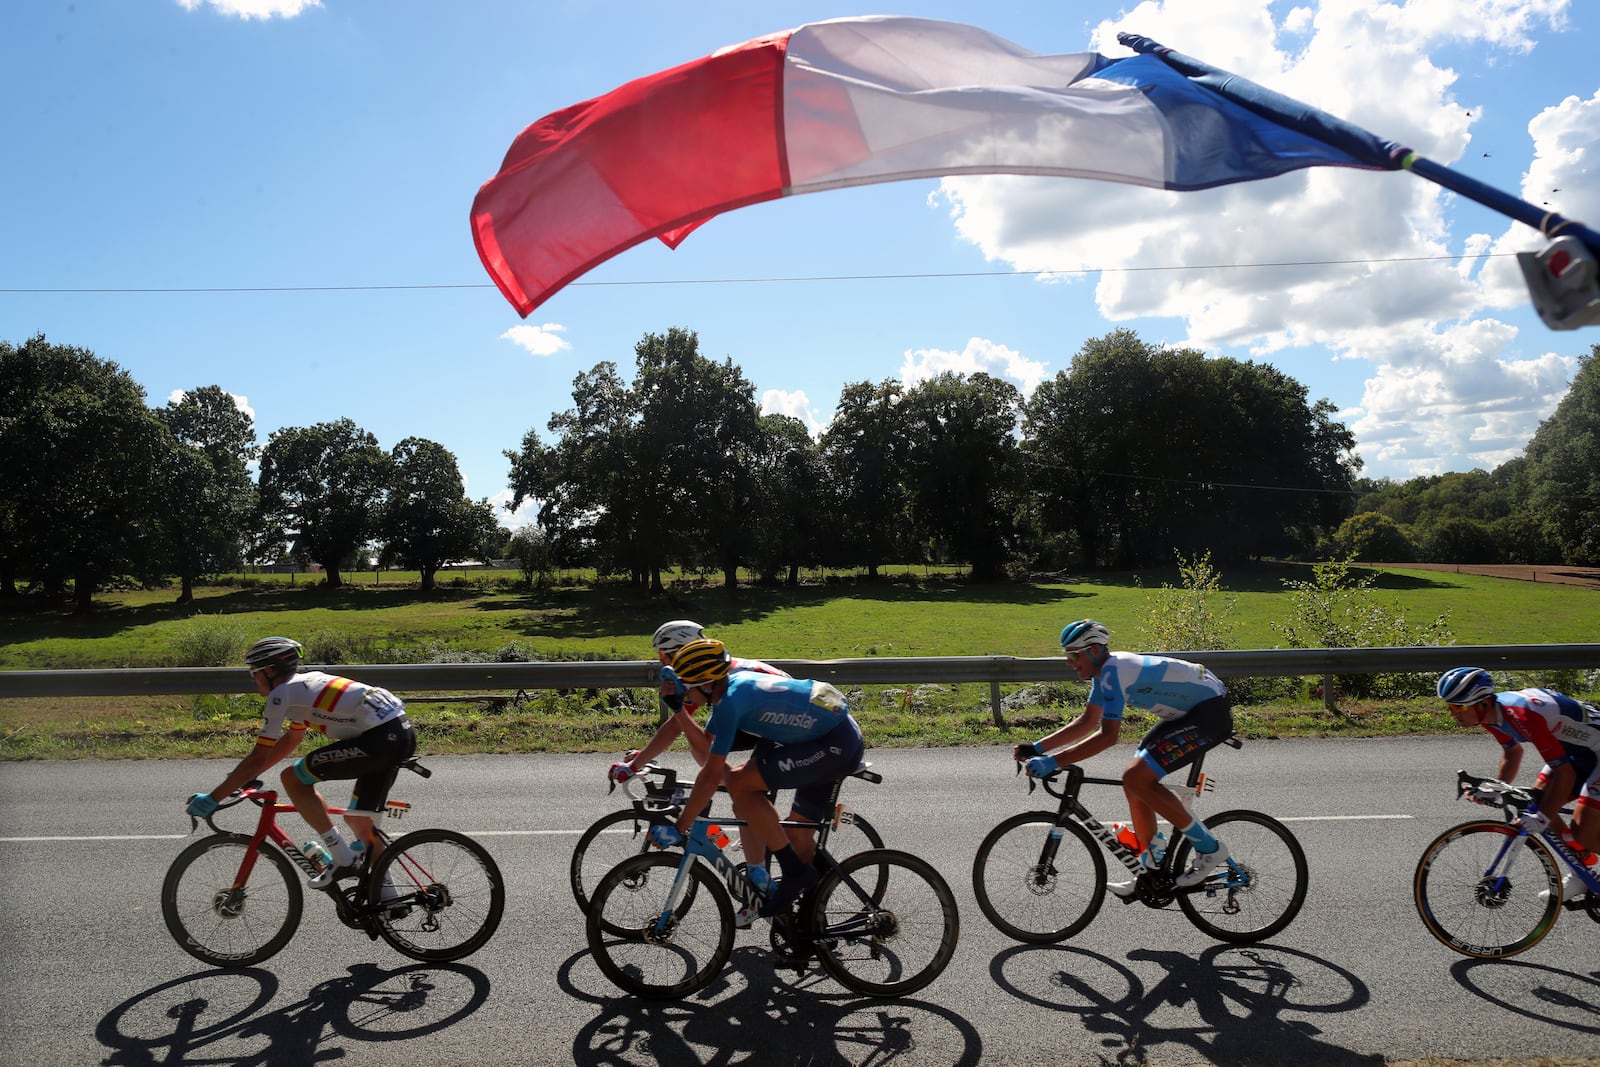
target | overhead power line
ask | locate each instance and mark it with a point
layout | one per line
(772, 280)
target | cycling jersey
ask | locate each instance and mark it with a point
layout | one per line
(692, 704)
(773, 708)
(1167, 687)
(1555, 724)
(339, 707)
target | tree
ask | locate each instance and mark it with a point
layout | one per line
(793, 519)
(1561, 479)
(534, 552)
(79, 453)
(207, 497)
(1372, 538)
(326, 484)
(1460, 540)
(960, 461)
(864, 450)
(428, 520)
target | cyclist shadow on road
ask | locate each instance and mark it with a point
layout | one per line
(220, 1016)
(767, 1014)
(1547, 994)
(1227, 1004)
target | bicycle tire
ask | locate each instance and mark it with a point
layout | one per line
(1258, 892)
(889, 944)
(1032, 900)
(692, 951)
(1463, 912)
(451, 895)
(239, 932)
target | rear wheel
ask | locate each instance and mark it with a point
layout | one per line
(224, 924)
(442, 895)
(1483, 893)
(892, 935)
(1035, 888)
(644, 949)
(1261, 888)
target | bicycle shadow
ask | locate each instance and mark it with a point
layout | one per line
(754, 1012)
(1240, 994)
(219, 1016)
(1546, 994)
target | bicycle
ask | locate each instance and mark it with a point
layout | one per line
(443, 900)
(880, 922)
(602, 846)
(1030, 892)
(1464, 889)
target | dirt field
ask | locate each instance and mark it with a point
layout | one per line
(1588, 576)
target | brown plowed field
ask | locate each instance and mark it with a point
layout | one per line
(1589, 576)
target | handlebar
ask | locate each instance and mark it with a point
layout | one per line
(1508, 797)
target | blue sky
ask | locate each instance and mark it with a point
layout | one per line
(319, 154)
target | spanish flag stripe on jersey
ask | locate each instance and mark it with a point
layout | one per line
(330, 694)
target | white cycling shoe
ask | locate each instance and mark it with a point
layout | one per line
(1204, 863)
(1571, 888)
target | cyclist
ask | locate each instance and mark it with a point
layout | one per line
(1566, 733)
(808, 742)
(371, 737)
(1195, 712)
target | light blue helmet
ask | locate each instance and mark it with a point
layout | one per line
(1078, 636)
(1465, 685)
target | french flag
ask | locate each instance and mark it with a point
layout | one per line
(855, 101)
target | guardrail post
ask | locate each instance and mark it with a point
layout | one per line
(994, 702)
(1328, 703)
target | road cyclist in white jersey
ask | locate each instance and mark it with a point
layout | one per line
(1195, 715)
(370, 738)
(680, 705)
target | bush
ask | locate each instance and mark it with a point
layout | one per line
(209, 641)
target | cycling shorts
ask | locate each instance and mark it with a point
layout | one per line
(373, 759)
(811, 768)
(1177, 742)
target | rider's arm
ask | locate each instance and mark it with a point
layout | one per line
(699, 740)
(1084, 736)
(266, 754)
(659, 742)
(705, 784)
(1510, 763)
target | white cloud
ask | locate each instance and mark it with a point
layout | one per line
(990, 357)
(254, 9)
(525, 515)
(1360, 263)
(240, 402)
(793, 403)
(539, 340)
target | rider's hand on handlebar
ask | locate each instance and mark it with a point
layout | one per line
(1488, 793)
(663, 836)
(1535, 822)
(1026, 750)
(620, 772)
(201, 805)
(1042, 766)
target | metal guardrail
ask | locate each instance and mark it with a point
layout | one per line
(409, 678)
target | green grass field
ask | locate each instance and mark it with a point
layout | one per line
(481, 614)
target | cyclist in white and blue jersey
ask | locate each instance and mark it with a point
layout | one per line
(1195, 713)
(808, 741)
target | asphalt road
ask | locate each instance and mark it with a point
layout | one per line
(90, 975)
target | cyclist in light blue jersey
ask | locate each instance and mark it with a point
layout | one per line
(1195, 715)
(808, 742)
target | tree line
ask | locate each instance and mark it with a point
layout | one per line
(1133, 453)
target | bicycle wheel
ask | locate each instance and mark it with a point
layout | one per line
(1258, 891)
(648, 958)
(1036, 888)
(891, 943)
(450, 895)
(608, 841)
(1480, 902)
(223, 924)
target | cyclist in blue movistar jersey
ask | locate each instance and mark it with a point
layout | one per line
(808, 742)
(1195, 713)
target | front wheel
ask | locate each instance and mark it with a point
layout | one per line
(1035, 886)
(441, 895)
(214, 917)
(883, 923)
(1483, 894)
(649, 949)
(1258, 891)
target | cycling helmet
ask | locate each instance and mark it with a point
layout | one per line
(1078, 636)
(701, 662)
(671, 636)
(273, 652)
(1465, 685)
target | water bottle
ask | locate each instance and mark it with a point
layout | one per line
(1124, 833)
(318, 854)
(718, 838)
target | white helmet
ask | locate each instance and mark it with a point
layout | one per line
(671, 636)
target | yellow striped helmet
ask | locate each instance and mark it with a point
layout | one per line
(701, 662)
